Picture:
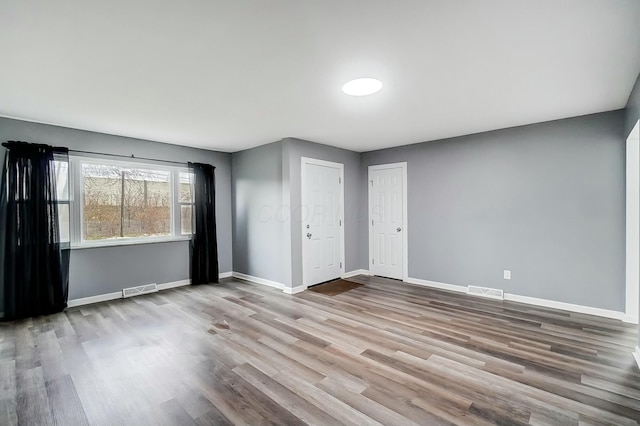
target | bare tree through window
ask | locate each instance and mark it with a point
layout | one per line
(125, 202)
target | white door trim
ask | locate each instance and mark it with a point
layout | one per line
(405, 222)
(632, 284)
(339, 166)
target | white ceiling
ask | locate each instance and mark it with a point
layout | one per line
(231, 74)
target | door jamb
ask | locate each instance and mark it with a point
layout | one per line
(405, 222)
(340, 167)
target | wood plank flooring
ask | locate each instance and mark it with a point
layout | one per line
(384, 353)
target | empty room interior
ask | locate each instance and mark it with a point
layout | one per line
(320, 212)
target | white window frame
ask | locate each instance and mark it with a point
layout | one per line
(67, 201)
(178, 204)
(76, 195)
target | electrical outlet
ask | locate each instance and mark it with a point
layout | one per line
(507, 274)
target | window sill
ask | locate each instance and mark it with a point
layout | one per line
(127, 242)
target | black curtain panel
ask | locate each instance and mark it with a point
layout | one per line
(204, 246)
(35, 259)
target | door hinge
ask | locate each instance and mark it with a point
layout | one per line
(340, 222)
(339, 180)
(341, 264)
(373, 261)
(371, 222)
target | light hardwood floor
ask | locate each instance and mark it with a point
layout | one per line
(385, 353)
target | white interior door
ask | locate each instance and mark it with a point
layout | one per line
(387, 217)
(322, 236)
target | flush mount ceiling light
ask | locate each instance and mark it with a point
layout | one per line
(362, 86)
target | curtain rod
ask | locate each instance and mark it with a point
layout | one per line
(133, 157)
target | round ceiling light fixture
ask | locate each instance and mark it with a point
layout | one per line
(362, 87)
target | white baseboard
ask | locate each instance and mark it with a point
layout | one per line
(274, 284)
(435, 284)
(174, 284)
(355, 272)
(636, 355)
(259, 280)
(285, 288)
(569, 307)
(94, 299)
(606, 313)
(117, 295)
(295, 290)
(165, 286)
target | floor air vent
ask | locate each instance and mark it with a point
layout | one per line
(141, 289)
(492, 293)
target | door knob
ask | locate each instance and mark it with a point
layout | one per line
(307, 226)
(308, 235)
(398, 229)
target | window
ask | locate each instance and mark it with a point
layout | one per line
(120, 201)
(61, 171)
(23, 196)
(186, 202)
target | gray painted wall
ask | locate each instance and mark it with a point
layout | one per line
(545, 201)
(109, 269)
(633, 107)
(259, 239)
(355, 218)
